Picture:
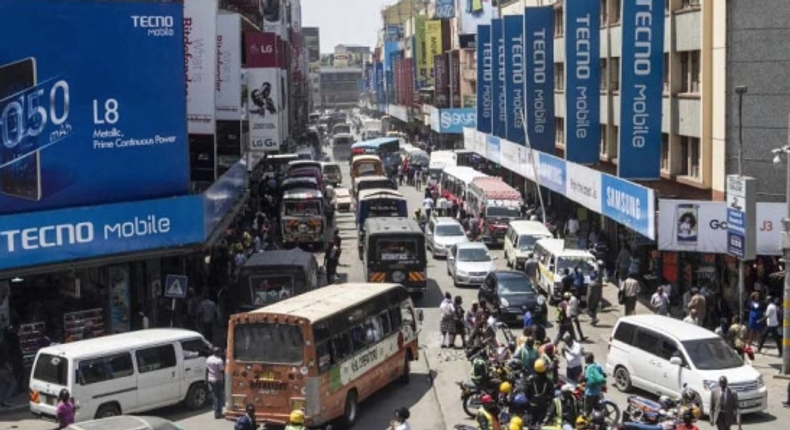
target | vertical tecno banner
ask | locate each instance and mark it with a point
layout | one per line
(454, 64)
(228, 84)
(641, 87)
(582, 81)
(441, 85)
(200, 58)
(498, 114)
(514, 78)
(539, 64)
(420, 52)
(264, 107)
(484, 79)
(433, 45)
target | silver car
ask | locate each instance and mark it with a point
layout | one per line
(442, 233)
(469, 263)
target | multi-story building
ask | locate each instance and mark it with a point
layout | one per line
(341, 74)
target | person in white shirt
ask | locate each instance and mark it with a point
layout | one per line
(441, 206)
(573, 313)
(573, 353)
(692, 318)
(660, 302)
(400, 423)
(215, 378)
(572, 226)
(447, 323)
(772, 324)
(427, 207)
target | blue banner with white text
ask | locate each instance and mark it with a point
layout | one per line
(582, 80)
(498, 114)
(484, 79)
(641, 88)
(539, 64)
(381, 96)
(514, 78)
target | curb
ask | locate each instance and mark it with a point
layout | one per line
(14, 409)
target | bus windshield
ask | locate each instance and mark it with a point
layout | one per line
(398, 251)
(341, 129)
(268, 289)
(302, 208)
(268, 343)
(502, 212)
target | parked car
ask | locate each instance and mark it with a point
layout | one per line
(469, 263)
(341, 200)
(511, 294)
(442, 233)
(126, 422)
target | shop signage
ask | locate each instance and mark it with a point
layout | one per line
(582, 81)
(552, 172)
(223, 194)
(509, 155)
(629, 204)
(398, 112)
(92, 107)
(498, 111)
(475, 141)
(433, 44)
(475, 14)
(485, 73)
(441, 78)
(176, 286)
(445, 9)
(493, 149)
(71, 234)
(701, 226)
(420, 52)
(514, 78)
(741, 211)
(228, 85)
(539, 64)
(452, 121)
(469, 41)
(526, 162)
(584, 186)
(641, 88)
(264, 109)
(200, 58)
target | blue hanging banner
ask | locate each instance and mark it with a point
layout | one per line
(498, 114)
(641, 79)
(582, 81)
(539, 64)
(381, 95)
(484, 79)
(514, 78)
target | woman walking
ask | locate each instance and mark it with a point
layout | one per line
(65, 409)
(447, 323)
(756, 320)
(459, 328)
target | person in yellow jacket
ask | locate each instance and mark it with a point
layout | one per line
(296, 420)
(487, 416)
(516, 423)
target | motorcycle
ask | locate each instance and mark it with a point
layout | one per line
(643, 410)
(608, 407)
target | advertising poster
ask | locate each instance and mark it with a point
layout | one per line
(485, 73)
(445, 9)
(498, 110)
(514, 78)
(264, 106)
(77, 123)
(474, 13)
(228, 85)
(420, 52)
(274, 12)
(539, 64)
(433, 37)
(262, 49)
(120, 312)
(454, 63)
(381, 96)
(393, 33)
(200, 52)
(582, 81)
(641, 88)
(441, 86)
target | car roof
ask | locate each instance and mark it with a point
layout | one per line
(529, 227)
(342, 192)
(379, 225)
(445, 221)
(671, 327)
(119, 342)
(509, 274)
(472, 245)
(302, 193)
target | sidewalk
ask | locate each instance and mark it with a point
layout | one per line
(18, 403)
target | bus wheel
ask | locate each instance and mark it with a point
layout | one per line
(351, 410)
(405, 377)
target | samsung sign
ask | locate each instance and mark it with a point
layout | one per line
(450, 121)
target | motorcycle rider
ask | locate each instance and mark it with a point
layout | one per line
(550, 360)
(563, 410)
(488, 415)
(516, 423)
(296, 420)
(527, 354)
(540, 391)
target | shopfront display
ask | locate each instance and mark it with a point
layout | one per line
(83, 325)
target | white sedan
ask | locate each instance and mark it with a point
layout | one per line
(341, 200)
(469, 263)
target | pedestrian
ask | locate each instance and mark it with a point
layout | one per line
(771, 320)
(247, 421)
(578, 281)
(447, 322)
(418, 178)
(756, 321)
(724, 409)
(399, 423)
(660, 302)
(594, 292)
(469, 318)
(459, 327)
(64, 412)
(331, 261)
(573, 313)
(207, 314)
(563, 320)
(215, 378)
(531, 268)
(623, 261)
(441, 206)
(573, 353)
(736, 335)
(630, 290)
(692, 317)
(699, 303)
(427, 207)
(595, 381)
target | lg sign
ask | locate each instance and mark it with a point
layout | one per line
(459, 118)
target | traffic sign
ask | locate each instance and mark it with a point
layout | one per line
(176, 286)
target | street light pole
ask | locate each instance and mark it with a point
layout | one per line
(782, 155)
(740, 91)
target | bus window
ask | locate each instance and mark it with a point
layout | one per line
(398, 251)
(268, 343)
(268, 289)
(341, 347)
(396, 318)
(408, 316)
(384, 323)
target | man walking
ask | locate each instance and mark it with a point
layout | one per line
(594, 292)
(772, 325)
(215, 378)
(660, 302)
(724, 406)
(630, 291)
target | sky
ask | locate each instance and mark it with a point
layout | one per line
(349, 22)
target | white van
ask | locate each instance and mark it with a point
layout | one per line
(660, 355)
(553, 258)
(122, 374)
(520, 239)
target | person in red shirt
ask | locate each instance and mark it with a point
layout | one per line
(688, 422)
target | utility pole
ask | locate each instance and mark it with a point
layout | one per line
(740, 91)
(786, 248)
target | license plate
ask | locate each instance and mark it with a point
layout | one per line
(519, 317)
(747, 405)
(50, 400)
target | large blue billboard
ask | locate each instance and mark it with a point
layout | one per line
(553, 173)
(629, 204)
(539, 65)
(449, 121)
(72, 234)
(485, 74)
(641, 87)
(498, 114)
(92, 104)
(514, 78)
(582, 81)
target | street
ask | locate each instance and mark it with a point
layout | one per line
(432, 396)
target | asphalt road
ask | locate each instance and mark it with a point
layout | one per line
(432, 395)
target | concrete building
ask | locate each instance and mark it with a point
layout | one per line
(340, 76)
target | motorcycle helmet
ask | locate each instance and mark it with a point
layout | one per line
(516, 423)
(505, 388)
(567, 389)
(520, 401)
(598, 418)
(548, 348)
(582, 423)
(665, 402)
(540, 366)
(567, 296)
(487, 399)
(297, 417)
(402, 413)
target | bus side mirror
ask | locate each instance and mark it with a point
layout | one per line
(420, 316)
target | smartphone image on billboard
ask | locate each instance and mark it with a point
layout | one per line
(687, 224)
(21, 173)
